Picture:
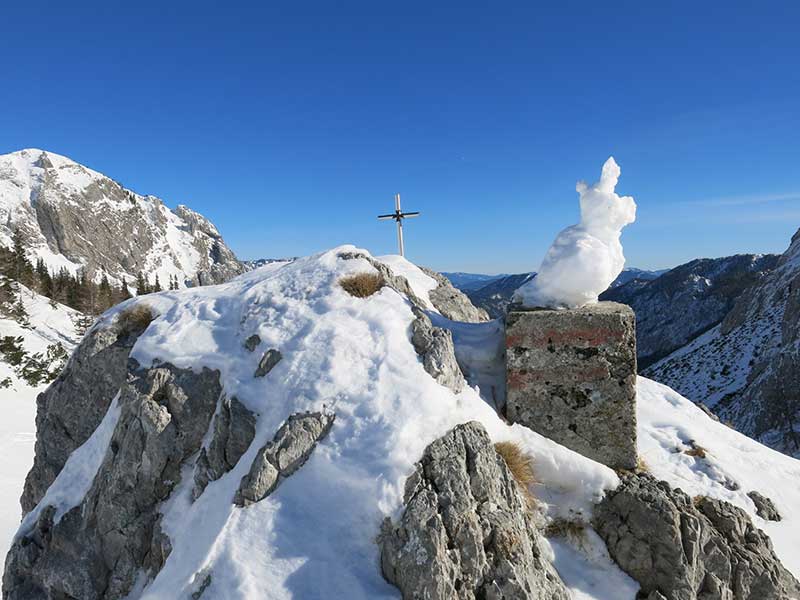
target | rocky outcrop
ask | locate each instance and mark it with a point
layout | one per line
(449, 301)
(680, 549)
(466, 531)
(267, 362)
(234, 429)
(71, 408)
(452, 302)
(765, 508)
(289, 449)
(92, 221)
(99, 548)
(434, 346)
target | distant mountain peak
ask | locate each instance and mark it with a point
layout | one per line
(76, 218)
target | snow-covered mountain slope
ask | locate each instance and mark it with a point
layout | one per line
(289, 340)
(75, 217)
(493, 292)
(747, 368)
(49, 324)
(686, 301)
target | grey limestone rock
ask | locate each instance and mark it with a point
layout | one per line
(466, 531)
(99, 548)
(434, 346)
(71, 408)
(684, 549)
(571, 376)
(268, 361)
(283, 455)
(765, 508)
(234, 429)
(252, 342)
(452, 302)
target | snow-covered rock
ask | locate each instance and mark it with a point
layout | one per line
(584, 258)
(74, 217)
(309, 530)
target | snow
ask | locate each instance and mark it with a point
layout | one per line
(584, 258)
(734, 463)
(18, 424)
(314, 537)
(343, 354)
(420, 283)
(75, 479)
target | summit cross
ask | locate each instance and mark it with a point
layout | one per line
(398, 215)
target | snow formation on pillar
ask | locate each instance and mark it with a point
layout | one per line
(585, 258)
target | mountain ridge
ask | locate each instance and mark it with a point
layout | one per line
(75, 218)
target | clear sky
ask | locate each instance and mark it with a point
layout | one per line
(292, 124)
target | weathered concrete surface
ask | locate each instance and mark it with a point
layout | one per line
(99, 548)
(289, 449)
(571, 376)
(678, 548)
(466, 531)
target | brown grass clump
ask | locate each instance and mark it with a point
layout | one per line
(135, 319)
(362, 285)
(641, 466)
(520, 465)
(696, 451)
(565, 529)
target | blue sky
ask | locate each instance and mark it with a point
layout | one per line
(291, 125)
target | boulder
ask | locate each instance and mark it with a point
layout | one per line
(466, 531)
(765, 508)
(684, 549)
(451, 302)
(289, 449)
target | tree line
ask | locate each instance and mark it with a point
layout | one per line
(77, 291)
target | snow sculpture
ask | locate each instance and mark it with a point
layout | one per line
(585, 258)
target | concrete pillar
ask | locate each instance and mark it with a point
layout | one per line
(571, 376)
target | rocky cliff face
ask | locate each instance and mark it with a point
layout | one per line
(688, 300)
(75, 217)
(746, 369)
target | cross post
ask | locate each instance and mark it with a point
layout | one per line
(398, 215)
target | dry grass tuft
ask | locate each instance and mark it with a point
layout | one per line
(696, 451)
(520, 465)
(134, 320)
(641, 466)
(362, 285)
(565, 529)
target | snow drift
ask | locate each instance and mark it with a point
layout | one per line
(584, 258)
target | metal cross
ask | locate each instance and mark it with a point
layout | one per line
(398, 216)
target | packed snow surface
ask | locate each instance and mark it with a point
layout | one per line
(314, 537)
(584, 258)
